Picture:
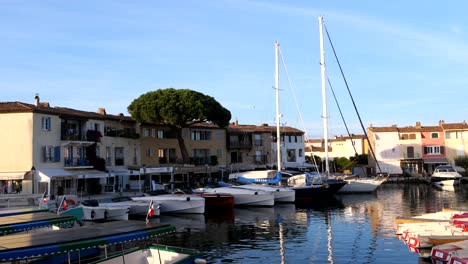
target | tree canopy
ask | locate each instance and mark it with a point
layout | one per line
(178, 108)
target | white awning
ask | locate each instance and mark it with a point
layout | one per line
(19, 175)
(47, 174)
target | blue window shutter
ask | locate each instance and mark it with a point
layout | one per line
(44, 154)
(50, 124)
(57, 154)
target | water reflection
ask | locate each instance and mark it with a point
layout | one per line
(346, 229)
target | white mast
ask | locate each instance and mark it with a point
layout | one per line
(278, 115)
(324, 96)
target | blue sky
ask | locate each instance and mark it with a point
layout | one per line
(404, 61)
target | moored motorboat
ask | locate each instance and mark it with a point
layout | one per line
(176, 203)
(281, 194)
(445, 175)
(93, 211)
(243, 197)
(444, 252)
(136, 208)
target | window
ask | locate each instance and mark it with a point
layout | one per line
(219, 135)
(201, 156)
(98, 151)
(434, 135)
(119, 156)
(453, 135)
(160, 133)
(258, 140)
(404, 136)
(300, 153)
(291, 155)
(46, 123)
(412, 136)
(97, 127)
(135, 156)
(147, 132)
(50, 154)
(108, 156)
(201, 135)
(434, 150)
(162, 155)
(219, 153)
(410, 152)
(148, 152)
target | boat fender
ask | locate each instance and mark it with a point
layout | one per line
(199, 261)
(93, 214)
(277, 190)
(256, 193)
(217, 195)
(105, 215)
(188, 199)
(128, 210)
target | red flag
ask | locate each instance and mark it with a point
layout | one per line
(64, 205)
(150, 211)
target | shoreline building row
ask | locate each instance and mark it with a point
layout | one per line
(63, 150)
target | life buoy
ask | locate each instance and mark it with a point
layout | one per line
(71, 202)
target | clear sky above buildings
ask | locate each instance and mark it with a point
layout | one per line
(405, 61)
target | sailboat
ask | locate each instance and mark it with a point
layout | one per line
(353, 184)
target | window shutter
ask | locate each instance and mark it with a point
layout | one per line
(44, 153)
(50, 124)
(57, 154)
(442, 149)
(425, 150)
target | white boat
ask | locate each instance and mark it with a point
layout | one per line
(362, 185)
(136, 208)
(176, 203)
(444, 253)
(281, 194)
(244, 197)
(93, 211)
(445, 175)
(154, 254)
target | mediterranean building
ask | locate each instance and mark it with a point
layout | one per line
(418, 149)
(62, 150)
(254, 147)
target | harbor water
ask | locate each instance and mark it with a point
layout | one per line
(354, 228)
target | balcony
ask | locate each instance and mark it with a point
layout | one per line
(240, 145)
(71, 135)
(258, 142)
(125, 133)
(76, 162)
(413, 156)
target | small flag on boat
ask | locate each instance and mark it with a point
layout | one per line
(63, 204)
(150, 211)
(44, 197)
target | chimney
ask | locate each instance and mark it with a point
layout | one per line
(418, 124)
(101, 111)
(441, 122)
(36, 100)
(236, 122)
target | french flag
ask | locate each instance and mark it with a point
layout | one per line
(150, 211)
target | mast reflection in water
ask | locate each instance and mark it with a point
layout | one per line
(345, 229)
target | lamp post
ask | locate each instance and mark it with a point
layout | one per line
(33, 178)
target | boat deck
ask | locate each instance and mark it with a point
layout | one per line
(23, 222)
(23, 246)
(24, 210)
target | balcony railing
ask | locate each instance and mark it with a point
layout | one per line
(414, 156)
(240, 145)
(126, 133)
(76, 162)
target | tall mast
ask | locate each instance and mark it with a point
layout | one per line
(324, 96)
(278, 115)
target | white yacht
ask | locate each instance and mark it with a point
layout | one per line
(176, 203)
(445, 175)
(244, 197)
(136, 208)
